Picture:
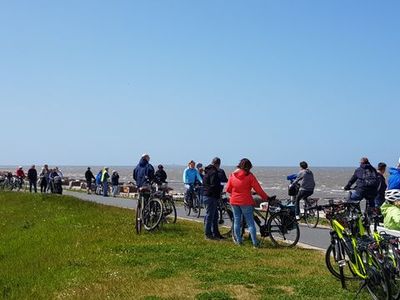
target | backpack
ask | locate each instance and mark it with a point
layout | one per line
(370, 178)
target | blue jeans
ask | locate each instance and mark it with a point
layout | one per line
(211, 217)
(247, 212)
(105, 189)
(115, 190)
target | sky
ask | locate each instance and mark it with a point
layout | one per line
(102, 82)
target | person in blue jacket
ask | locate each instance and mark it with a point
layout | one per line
(144, 171)
(394, 178)
(190, 176)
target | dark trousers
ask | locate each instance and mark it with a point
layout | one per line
(32, 183)
(301, 195)
(211, 217)
(43, 185)
(105, 188)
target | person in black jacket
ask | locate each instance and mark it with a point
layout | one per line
(32, 177)
(160, 176)
(115, 183)
(144, 171)
(211, 194)
(366, 179)
(380, 197)
(89, 179)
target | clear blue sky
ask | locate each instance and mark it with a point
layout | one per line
(101, 82)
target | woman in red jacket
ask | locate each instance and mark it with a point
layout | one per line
(240, 184)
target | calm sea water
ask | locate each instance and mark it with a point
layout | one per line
(329, 180)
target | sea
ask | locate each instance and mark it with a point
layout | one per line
(329, 180)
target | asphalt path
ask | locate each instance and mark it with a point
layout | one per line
(312, 237)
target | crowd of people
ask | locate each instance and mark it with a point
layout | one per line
(369, 184)
(49, 180)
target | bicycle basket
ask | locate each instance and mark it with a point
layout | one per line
(272, 201)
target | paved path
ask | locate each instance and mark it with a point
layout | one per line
(315, 237)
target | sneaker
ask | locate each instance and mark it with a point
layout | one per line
(256, 246)
(211, 238)
(220, 237)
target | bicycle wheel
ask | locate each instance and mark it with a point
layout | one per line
(152, 214)
(196, 205)
(187, 207)
(283, 229)
(170, 211)
(225, 222)
(310, 214)
(377, 281)
(138, 218)
(331, 260)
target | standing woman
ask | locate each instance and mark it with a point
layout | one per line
(240, 184)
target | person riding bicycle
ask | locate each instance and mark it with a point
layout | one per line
(190, 176)
(20, 176)
(305, 185)
(366, 179)
(144, 172)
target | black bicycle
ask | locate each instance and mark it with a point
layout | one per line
(275, 220)
(169, 214)
(192, 201)
(225, 215)
(149, 210)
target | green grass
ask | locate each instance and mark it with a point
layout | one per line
(59, 247)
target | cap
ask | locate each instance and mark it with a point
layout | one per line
(199, 165)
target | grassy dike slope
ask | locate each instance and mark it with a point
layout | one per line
(59, 247)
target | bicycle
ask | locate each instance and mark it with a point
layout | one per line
(149, 210)
(276, 221)
(169, 209)
(352, 246)
(192, 200)
(225, 216)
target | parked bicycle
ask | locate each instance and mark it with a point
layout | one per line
(352, 246)
(169, 209)
(275, 220)
(225, 216)
(149, 210)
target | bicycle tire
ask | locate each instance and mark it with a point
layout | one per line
(377, 282)
(225, 222)
(187, 208)
(138, 219)
(332, 264)
(197, 205)
(310, 215)
(283, 229)
(172, 215)
(152, 214)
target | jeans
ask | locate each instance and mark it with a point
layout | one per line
(301, 195)
(247, 212)
(32, 183)
(115, 190)
(211, 217)
(105, 189)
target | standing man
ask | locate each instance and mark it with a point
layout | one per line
(104, 180)
(380, 197)
(115, 183)
(144, 171)
(305, 179)
(160, 176)
(211, 194)
(89, 177)
(221, 173)
(32, 177)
